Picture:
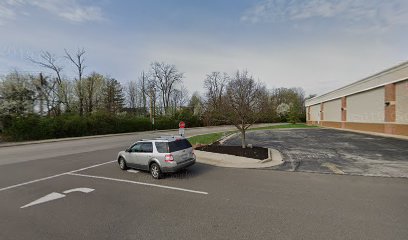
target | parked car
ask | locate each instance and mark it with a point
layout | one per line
(166, 154)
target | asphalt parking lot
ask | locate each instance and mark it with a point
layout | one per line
(334, 151)
(84, 195)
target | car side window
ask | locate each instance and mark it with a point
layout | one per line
(162, 147)
(136, 147)
(147, 147)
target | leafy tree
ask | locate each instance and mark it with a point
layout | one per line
(196, 104)
(93, 91)
(114, 97)
(294, 113)
(17, 95)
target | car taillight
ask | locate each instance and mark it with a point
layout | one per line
(168, 158)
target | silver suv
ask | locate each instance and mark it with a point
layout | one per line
(166, 154)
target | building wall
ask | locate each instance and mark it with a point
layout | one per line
(315, 113)
(394, 74)
(332, 110)
(378, 103)
(366, 106)
(402, 102)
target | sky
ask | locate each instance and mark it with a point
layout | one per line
(318, 45)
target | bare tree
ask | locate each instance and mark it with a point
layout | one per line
(165, 77)
(151, 93)
(78, 60)
(180, 98)
(49, 62)
(132, 95)
(215, 85)
(244, 102)
(41, 85)
(143, 81)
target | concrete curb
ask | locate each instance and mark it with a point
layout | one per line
(401, 137)
(231, 161)
(225, 138)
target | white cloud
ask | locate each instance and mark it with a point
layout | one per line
(376, 14)
(6, 13)
(70, 10)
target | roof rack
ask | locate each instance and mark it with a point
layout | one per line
(169, 137)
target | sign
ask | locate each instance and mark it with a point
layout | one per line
(181, 132)
(182, 124)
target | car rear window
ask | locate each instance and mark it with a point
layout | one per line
(162, 147)
(179, 145)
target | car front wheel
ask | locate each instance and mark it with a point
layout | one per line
(155, 171)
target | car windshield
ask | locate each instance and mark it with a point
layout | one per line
(179, 145)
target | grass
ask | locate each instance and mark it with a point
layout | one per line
(205, 138)
(212, 137)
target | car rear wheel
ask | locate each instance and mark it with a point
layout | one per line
(155, 171)
(122, 163)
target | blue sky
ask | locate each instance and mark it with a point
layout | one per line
(318, 45)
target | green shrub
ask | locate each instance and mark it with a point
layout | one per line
(34, 127)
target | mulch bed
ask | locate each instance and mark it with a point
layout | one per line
(254, 152)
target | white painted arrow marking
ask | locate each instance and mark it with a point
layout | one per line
(46, 198)
(83, 190)
(55, 196)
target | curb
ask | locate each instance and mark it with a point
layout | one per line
(225, 138)
(401, 137)
(231, 161)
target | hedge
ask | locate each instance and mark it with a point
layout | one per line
(35, 127)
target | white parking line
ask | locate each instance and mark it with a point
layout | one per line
(132, 171)
(96, 165)
(33, 181)
(53, 176)
(139, 183)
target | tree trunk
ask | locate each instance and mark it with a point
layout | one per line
(243, 142)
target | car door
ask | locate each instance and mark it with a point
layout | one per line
(133, 155)
(145, 154)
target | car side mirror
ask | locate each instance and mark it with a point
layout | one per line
(127, 150)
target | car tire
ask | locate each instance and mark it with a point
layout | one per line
(155, 171)
(122, 163)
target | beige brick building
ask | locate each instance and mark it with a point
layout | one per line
(378, 103)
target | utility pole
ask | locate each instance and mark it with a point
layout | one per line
(42, 83)
(152, 104)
